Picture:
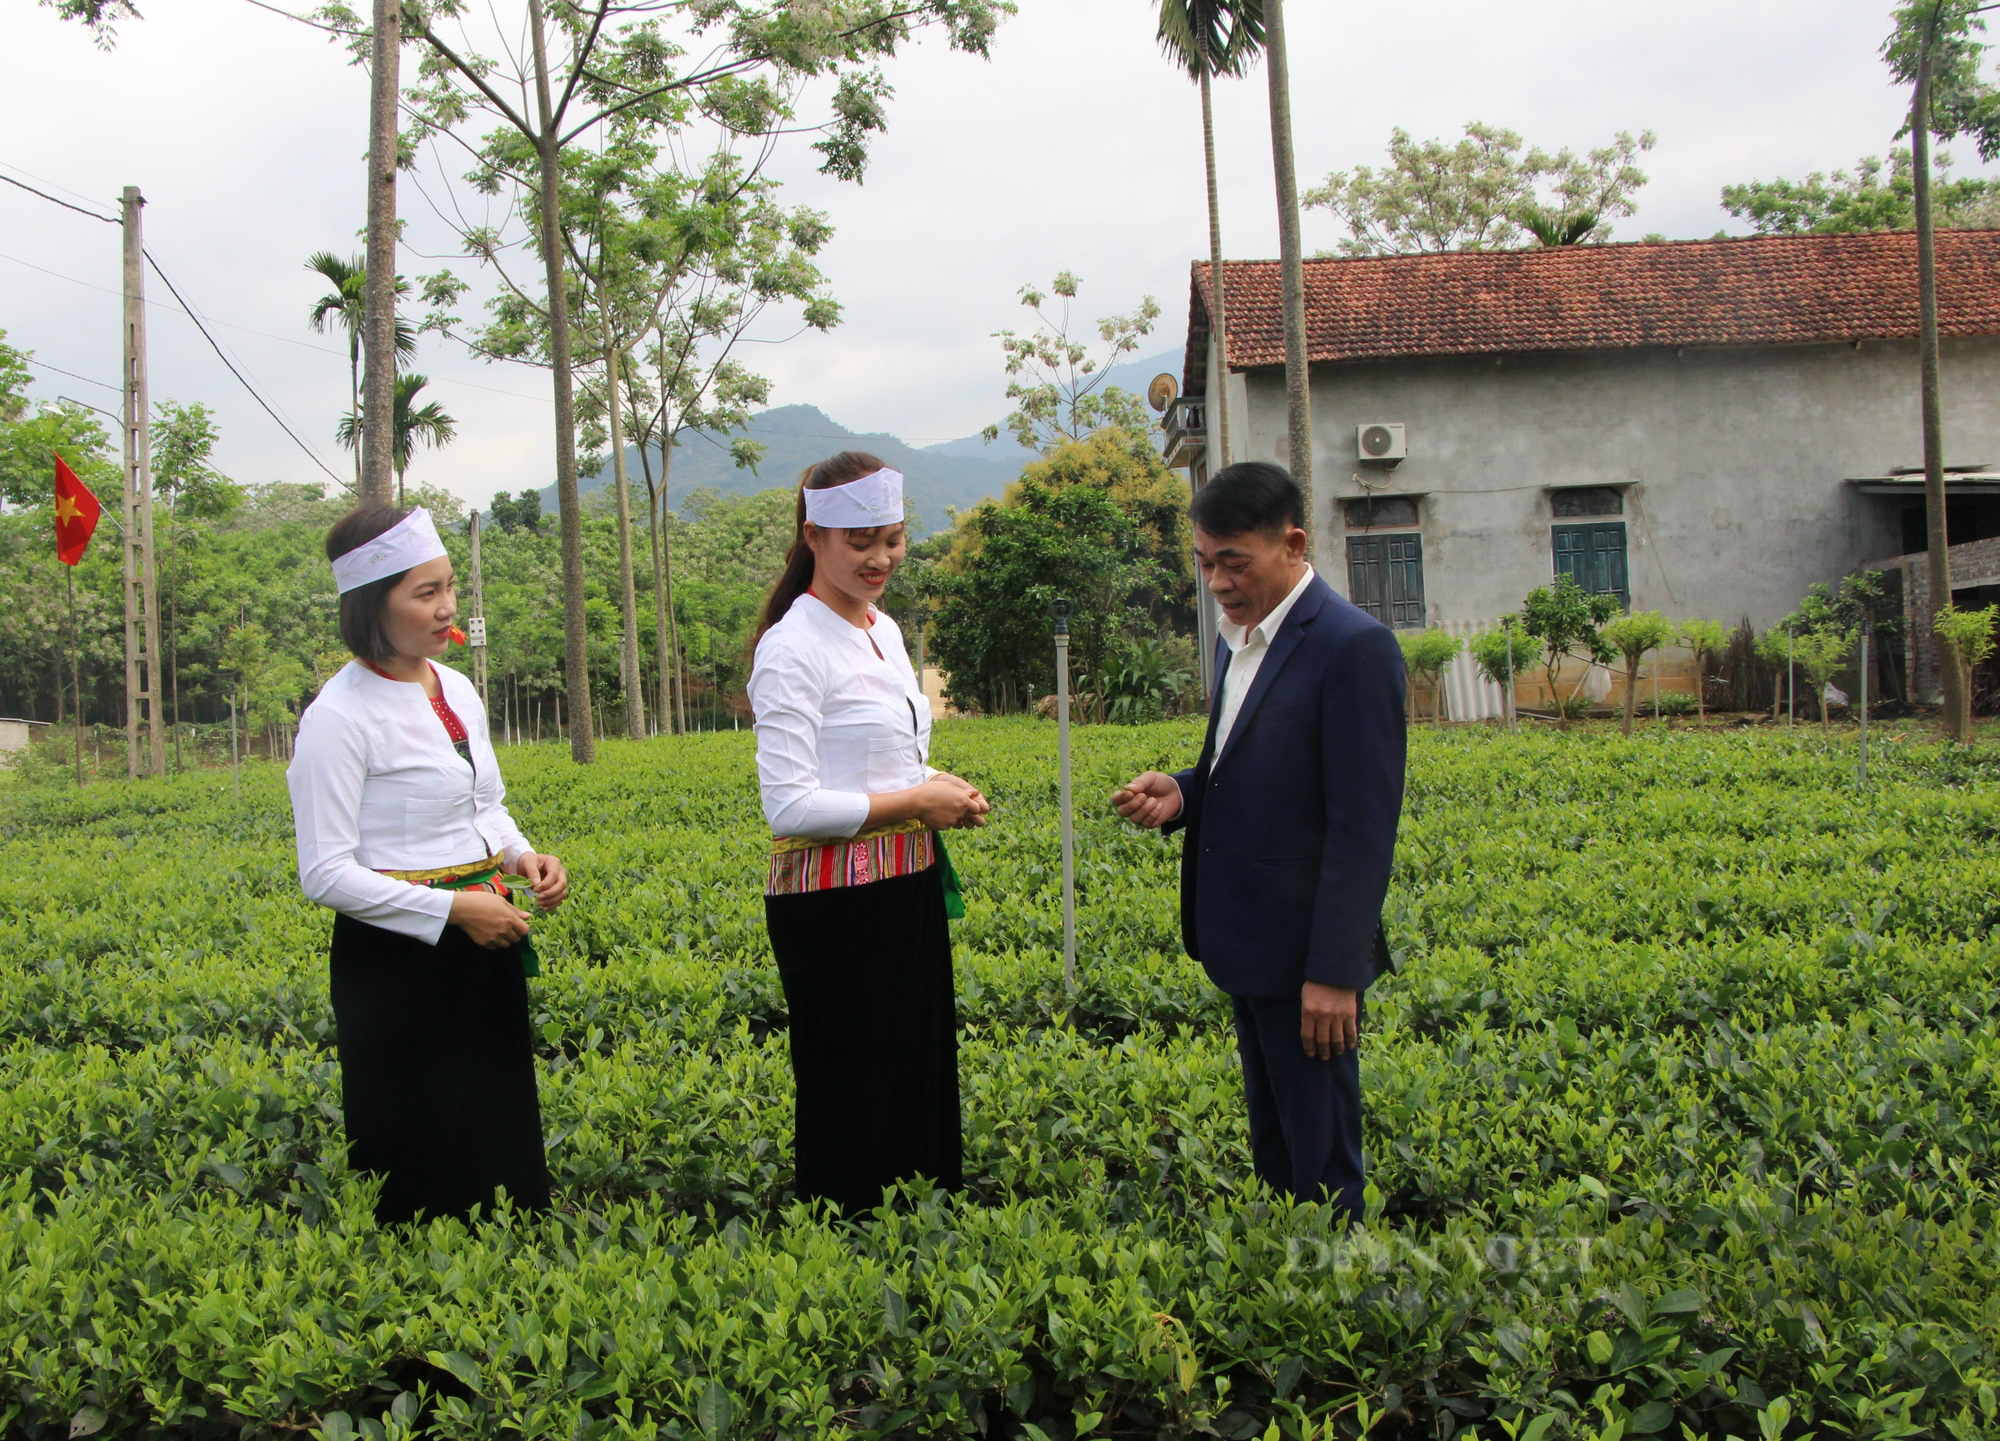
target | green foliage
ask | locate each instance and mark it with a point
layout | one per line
(184, 437)
(1634, 636)
(1841, 203)
(1482, 194)
(413, 425)
(1676, 1113)
(1099, 523)
(1503, 652)
(1821, 654)
(1569, 623)
(1055, 378)
(1963, 102)
(1425, 655)
(511, 513)
(28, 450)
(14, 380)
(1212, 37)
(268, 688)
(1967, 636)
(1147, 680)
(1708, 640)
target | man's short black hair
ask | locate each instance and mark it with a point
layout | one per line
(1252, 495)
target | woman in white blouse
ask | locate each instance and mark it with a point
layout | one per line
(856, 900)
(403, 832)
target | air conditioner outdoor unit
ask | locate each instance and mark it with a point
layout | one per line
(1380, 442)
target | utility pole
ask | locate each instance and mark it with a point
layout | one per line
(142, 617)
(475, 625)
(1291, 266)
(378, 299)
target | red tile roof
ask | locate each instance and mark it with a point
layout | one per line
(1755, 290)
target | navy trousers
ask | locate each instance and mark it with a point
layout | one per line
(1305, 1114)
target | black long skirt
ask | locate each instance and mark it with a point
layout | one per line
(874, 1036)
(437, 1072)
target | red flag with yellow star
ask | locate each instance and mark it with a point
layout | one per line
(76, 514)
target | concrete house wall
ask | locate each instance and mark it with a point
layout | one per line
(1732, 461)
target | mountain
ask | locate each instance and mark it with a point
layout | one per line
(953, 473)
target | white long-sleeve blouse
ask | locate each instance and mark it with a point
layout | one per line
(377, 785)
(839, 718)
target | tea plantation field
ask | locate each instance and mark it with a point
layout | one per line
(1682, 1122)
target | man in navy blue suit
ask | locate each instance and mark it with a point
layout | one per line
(1290, 816)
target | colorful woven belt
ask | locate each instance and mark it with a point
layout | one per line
(801, 865)
(474, 876)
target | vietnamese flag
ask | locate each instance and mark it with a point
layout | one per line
(76, 514)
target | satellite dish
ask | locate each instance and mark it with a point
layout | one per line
(1163, 392)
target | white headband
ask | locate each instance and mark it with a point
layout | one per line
(410, 541)
(862, 504)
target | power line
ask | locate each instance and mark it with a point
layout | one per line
(237, 373)
(226, 324)
(108, 220)
(43, 365)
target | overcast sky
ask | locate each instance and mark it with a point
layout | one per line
(1075, 146)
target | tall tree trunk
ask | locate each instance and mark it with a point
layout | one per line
(628, 595)
(656, 522)
(576, 655)
(1957, 713)
(1218, 321)
(667, 556)
(378, 318)
(1291, 259)
(354, 397)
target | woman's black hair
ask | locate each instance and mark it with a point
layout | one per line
(1252, 495)
(796, 578)
(361, 608)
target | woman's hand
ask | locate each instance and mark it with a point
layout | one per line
(944, 803)
(546, 874)
(494, 922)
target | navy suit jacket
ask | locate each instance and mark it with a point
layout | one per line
(1290, 831)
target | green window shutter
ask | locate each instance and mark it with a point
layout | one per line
(1594, 556)
(1385, 577)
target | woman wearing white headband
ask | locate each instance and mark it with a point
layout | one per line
(856, 900)
(403, 831)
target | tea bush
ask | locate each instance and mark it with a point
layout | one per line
(1681, 1122)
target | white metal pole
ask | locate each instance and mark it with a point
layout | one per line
(1507, 629)
(1864, 700)
(1791, 689)
(235, 770)
(1063, 797)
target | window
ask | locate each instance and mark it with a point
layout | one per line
(1586, 500)
(1595, 556)
(1375, 512)
(1385, 577)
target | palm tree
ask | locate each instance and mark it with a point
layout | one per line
(343, 305)
(1291, 262)
(413, 425)
(1208, 38)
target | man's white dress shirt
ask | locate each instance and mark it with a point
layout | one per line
(839, 718)
(1247, 649)
(377, 786)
